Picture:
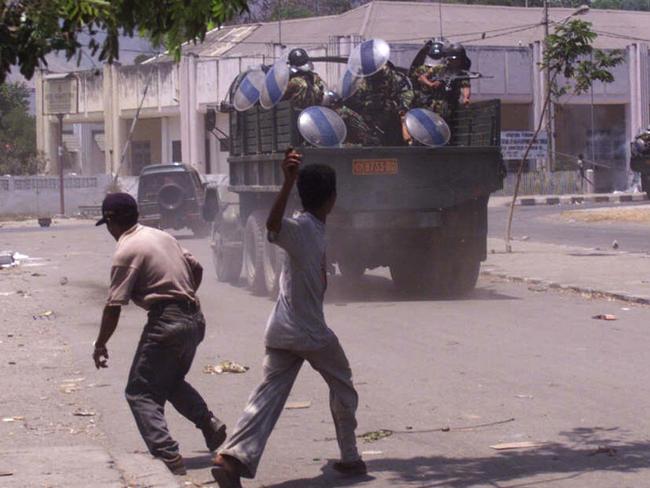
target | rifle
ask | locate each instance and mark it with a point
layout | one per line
(448, 79)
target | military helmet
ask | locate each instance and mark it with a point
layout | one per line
(299, 60)
(331, 99)
(436, 50)
(455, 51)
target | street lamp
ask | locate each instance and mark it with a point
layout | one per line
(581, 10)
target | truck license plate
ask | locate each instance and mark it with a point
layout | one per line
(363, 167)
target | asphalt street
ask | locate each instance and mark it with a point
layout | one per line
(544, 223)
(445, 380)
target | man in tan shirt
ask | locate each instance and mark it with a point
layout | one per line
(156, 273)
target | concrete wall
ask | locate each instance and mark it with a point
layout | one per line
(39, 195)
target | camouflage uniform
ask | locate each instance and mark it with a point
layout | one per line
(380, 99)
(358, 131)
(305, 90)
(439, 100)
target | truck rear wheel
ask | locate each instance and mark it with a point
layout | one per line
(227, 261)
(254, 243)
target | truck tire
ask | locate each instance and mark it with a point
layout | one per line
(414, 273)
(254, 242)
(227, 262)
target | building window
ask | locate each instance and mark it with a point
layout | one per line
(177, 154)
(140, 155)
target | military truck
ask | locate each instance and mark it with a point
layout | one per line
(421, 211)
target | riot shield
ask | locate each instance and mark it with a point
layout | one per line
(248, 91)
(275, 84)
(368, 57)
(427, 127)
(322, 127)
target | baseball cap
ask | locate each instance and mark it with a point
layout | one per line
(117, 204)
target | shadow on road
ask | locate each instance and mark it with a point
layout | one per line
(372, 288)
(586, 450)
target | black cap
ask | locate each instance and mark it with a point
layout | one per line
(118, 204)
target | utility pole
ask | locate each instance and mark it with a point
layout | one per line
(59, 117)
(547, 93)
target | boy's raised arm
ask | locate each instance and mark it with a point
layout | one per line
(290, 167)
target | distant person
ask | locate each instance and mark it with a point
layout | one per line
(305, 87)
(153, 270)
(427, 76)
(296, 331)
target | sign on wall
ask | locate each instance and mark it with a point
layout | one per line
(515, 142)
(60, 95)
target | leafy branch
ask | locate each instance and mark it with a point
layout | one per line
(573, 66)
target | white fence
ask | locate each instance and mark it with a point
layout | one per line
(39, 195)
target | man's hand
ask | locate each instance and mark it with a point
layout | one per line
(436, 84)
(291, 165)
(100, 356)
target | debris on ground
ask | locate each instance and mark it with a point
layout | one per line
(538, 288)
(83, 413)
(71, 385)
(375, 435)
(63, 281)
(7, 260)
(517, 445)
(615, 244)
(5, 473)
(225, 367)
(610, 451)
(526, 397)
(48, 314)
(371, 453)
(13, 419)
(605, 316)
(297, 405)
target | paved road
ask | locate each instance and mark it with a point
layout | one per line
(449, 378)
(543, 223)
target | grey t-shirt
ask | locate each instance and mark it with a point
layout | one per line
(297, 321)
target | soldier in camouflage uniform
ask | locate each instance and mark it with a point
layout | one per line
(305, 87)
(358, 131)
(436, 89)
(382, 99)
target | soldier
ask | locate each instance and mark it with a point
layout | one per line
(305, 87)
(427, 79)
(383, 99)
(358, 131)
(458, 65)
(641, 144)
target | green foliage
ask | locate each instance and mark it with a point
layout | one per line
(18, 154)
(573, 63)
(31, 29)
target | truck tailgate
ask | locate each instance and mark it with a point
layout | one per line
(410, 178)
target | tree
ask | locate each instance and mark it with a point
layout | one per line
(31, 29)
(573, 65)
(18, 154)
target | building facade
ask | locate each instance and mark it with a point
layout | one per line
(174, 100)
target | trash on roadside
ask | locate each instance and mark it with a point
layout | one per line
(225, 367)
(375, 435)
(610, 451)
(70, 386)
(297, 405)
(7, 260)
(83, 413)
(5, 473)
(371, 453)
(626, 309)
(48, 314)
(526, 397)
(13, 419)
(517, 445)
(63, 281)
(538, 288)
(605, 316)
(615, 244)
(525, 238)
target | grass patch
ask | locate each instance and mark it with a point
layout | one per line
(639, 215)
